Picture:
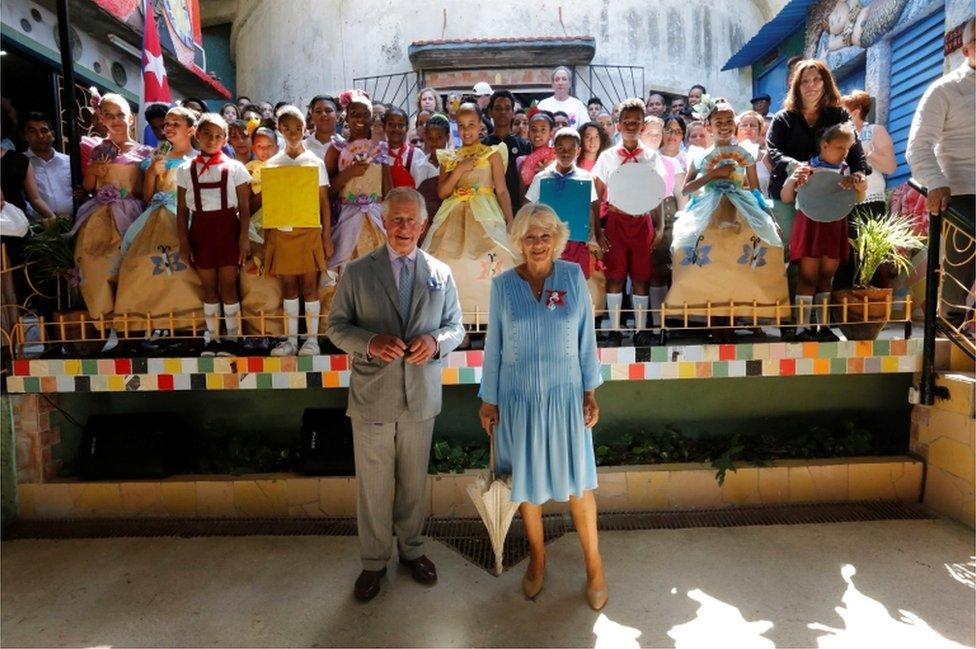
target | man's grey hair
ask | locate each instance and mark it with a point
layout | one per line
(398, 194)
(967, 31)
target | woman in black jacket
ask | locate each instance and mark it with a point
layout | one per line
(812, 104)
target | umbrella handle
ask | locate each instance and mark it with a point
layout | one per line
(491, 454)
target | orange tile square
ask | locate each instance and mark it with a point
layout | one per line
(898, 347)
(811, 350)
(231, 381)
(330, 379)
(864, 348)
(821, 366)
(855, 365)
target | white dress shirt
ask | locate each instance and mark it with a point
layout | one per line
(942, 140)
(53, 180)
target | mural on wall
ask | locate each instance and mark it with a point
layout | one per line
(177, 21)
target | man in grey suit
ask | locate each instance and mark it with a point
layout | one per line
(396, 312)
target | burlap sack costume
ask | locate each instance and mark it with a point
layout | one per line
(155, 278)
(260, 291)
(468, 233)
(99, 227)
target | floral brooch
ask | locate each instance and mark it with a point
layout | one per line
(554, 299)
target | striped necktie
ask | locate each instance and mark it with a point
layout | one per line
(405, 288)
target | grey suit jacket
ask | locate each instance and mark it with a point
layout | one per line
(366, 303)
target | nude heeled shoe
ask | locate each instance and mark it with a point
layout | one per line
(532, 587)
(597, 599)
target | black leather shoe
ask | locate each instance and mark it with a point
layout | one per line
(368, 584)
(422, 569)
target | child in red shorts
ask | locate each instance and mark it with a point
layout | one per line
(631, 237)
(213, 216)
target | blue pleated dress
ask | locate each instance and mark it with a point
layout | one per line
(540, 356)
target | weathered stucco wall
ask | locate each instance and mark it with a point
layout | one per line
(292, 49)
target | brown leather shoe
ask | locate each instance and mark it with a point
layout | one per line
(422, 569)
(368, 584)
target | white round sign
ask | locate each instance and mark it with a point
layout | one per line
(635, 188)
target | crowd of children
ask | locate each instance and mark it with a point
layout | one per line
(675, 211)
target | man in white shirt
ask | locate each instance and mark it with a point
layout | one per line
(942, 154)
(52, 169)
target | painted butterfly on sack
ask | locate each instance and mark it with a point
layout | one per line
(696, 255)
(167, 261)
(755, 255)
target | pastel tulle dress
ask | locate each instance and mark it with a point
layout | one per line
(726, 247)
(155, 278)
(468, 232)
(540, 356)
(102, 221)
(359, 228)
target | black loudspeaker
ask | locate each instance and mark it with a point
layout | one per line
(327, 443)
(143, 445)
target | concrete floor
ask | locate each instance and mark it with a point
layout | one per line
(782, 586)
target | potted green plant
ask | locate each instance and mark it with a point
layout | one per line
(887, 240)
(49, 253)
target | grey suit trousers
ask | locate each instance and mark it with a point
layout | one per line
(391, 476)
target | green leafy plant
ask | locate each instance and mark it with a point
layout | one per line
(887, 239)
(49, 252)
(451, 457)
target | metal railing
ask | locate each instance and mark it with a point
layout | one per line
(611, 83)
(398, 89)
(79, 334)
(951, 256)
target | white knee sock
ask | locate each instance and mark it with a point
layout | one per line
(312, 318)
(657, 295)
(614, 302)
(640, 311)
(818, 301)
(211, 314)
(231, 311)
(291, 310)
(804, 305)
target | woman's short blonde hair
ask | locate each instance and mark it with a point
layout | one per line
(537, 214)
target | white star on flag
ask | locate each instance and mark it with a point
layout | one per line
(154, 64)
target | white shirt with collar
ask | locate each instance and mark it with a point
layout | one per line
(942, 139)
(535, 189)
(53, 180)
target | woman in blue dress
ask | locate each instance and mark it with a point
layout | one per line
(537, 389)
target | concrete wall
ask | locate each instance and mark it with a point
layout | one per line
(292, 49)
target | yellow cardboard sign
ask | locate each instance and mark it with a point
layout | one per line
(291, 197)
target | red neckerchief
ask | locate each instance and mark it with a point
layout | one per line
(398, 157)
(215, 159)
(629, 156)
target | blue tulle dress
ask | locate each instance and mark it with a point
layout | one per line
(540, 356)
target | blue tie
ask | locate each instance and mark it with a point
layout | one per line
(405, 288)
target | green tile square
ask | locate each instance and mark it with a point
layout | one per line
(606, 371)
(827, 350)
(882, 347)
(304, 363)
(659, 354)
(205, 364)
(264, 381)
(32, 384)
(743, 352)
(89, 366)
(838, 366)
(466, 376)
(720, 369)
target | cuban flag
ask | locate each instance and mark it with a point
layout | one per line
(155, 84)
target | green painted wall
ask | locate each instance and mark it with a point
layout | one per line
(694, 407)
(8, 475)
(216, 43)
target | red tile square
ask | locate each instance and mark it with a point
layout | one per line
(636, 372)
(787, 366)
(164, 382)
(21, 368)
(855, 366)
(49, 384)
(339, 362)
(123, 366)
(476, 358)
(726, 352)
(255, 364)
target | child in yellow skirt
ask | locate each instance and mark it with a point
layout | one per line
(296, 255)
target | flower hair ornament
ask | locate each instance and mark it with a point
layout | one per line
(355, 96)
(704, 107)
(96, 98)
(252, 124)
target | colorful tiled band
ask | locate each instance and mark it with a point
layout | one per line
(463, 368)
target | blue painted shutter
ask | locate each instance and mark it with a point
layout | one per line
(916, 61)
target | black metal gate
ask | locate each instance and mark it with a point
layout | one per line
(611, 83)
(400, 89)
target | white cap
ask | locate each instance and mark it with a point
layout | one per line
(482, 88)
